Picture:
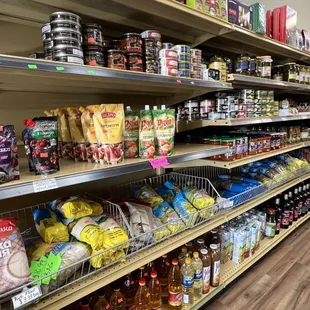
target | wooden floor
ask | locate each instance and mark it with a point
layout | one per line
(279, 281)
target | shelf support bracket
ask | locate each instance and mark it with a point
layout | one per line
(207, 36)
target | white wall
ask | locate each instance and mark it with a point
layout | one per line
(301, 6)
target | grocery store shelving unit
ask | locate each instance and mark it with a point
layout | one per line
(72, 173)
(80, 289)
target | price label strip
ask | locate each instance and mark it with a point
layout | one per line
(159, 162)
(27, 296)
(44, 185)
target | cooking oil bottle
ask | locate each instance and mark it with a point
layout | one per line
(143, 297)
(117, 301)
(197, 265)
(155, 291)
(175, 287)
(187, 283)
(102, 303)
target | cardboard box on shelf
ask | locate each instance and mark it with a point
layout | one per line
(195, 4)
(306, 40)
(240, 14)
(269, 24)
(288, 23)
(276, 24)
(217, 8)
(259, 18)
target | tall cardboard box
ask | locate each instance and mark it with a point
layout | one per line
(259, 18)
(288, 23)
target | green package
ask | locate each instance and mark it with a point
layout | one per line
(259, 18)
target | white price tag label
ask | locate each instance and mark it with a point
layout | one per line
(283, 118)
(26, 297)
(228, 204)
(304, 117)
(45, 185)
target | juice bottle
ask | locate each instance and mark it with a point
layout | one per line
(206, 271)
(197, 265)
(117, 301)
(128, 289)
(215, 264)
(102, 303)
(187, 283)
(182, 256)
(175, 287)
(142, 298)
(85, 304)
(163, 266)
(155, 291)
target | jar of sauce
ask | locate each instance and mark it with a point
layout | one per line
(277, 73)
(215, 264)
(266, 67)
(131, 43)
(242, 64)
(260, 144)
(134, 62)
(253, 143)
(289, 72)
(214, 141)
(303, 75)
(230, 155)
(273, 141)
(239, 147)
(267, 142)
(206, 270)
(116, 59)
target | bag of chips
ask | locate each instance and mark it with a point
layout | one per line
(147, 194)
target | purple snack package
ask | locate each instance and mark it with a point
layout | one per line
(9, 168)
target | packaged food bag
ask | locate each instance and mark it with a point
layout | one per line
(44, 144)
(77, 136)
(166, 193)
(14, 269)
(109, 127)
(131, 134)
(105, 258)
(9, 167)
(146, 134)
(164, 126)
(26, 137)
(89, 132)
(49, 226)
(53, 113)
(184, 208)
(147, 194)
(161, 231)
(67, 146)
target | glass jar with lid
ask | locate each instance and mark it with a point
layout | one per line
(242, 64)
(277, 73)
(230, 155)
(214, 140)
(289, 72)
(217, 62)
(259, 66)
(297, 74)
(266, 67)
(303, 75)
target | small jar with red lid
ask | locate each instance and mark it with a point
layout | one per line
(273, 141)
(267, 143)
(253, 143)
(134, 62)
(131, 43)
(278, 141)
(239, 147)
(260, 144)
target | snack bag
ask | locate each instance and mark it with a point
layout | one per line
(164, 125)
(77, 136)
(44, 144)
(36, 247)
(76, 207)
(49, 226)
(109, 126)
(131, 134)
(9, 167)
(184, 208)
(89, 132)
(105, 258)
(53, 113)
(67, 146)
(166, 193)
(146, 134)
(147, 194)
(161, 230)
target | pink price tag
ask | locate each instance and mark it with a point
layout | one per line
(159, 162)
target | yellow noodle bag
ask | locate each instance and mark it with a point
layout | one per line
(106, 258)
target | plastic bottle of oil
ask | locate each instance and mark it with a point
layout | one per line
(102, 303)
(188, 273)
(175, 287)
(197, 265)
(128, 289)
(162, 266)
(155, 291)
(117, 301)
(85, 304)
(143, 297)
(182, 256)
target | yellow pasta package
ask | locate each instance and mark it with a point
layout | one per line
(109, 127)
(78, 140)
(89, 132)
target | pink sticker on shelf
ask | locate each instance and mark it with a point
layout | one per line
(159, 162)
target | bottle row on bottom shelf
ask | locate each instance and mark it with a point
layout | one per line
(188, 275)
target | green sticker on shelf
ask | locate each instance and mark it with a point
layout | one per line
(60, 68)
(91, 72)
(32, 67)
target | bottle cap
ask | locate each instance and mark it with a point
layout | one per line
(163, 107)
(184, 249)
(155, 107)
(147, 107)
(164, 256)
(128, 108)
(100, 292)
(196, 254)
(142, 267)
(175, 261)
(213, 246)
(188, 260)
(204, 251)
(154, 274)
(142, 282)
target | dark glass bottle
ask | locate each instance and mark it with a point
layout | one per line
(291, 201)
(300, 205)
(308, 197)
(296, 204)
(285, 213)
(277, 207)
(304, 203)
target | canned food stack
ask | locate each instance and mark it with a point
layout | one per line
(151, 43)
(66, 37)
(184, 60)
(168, 62)
(246, 98)
(47, 41)
(188, 110)
(196, 69)
(93, 45)
(132, 47)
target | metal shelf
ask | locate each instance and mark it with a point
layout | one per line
(230, 271)
(82, 288)
(25, 74)
(72, 173)
(244, 81)
(243, 161)
(190, 125)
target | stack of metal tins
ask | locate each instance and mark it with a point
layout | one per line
(151, 43)
(196, 72)
(93, 45)
(66, 35)
(47, 41)
(168, 62)
(184, 60)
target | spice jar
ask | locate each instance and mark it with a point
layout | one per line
(266, 67)
(134, 62)
(116, 59)
(253, 145)
(270, 230)
(242, 64)
(230, 155)
(131, 43)
(215, 141)
(289, 72)
(277, 73)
